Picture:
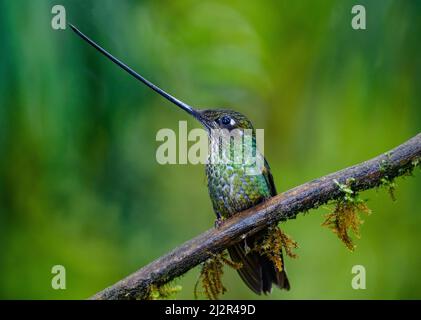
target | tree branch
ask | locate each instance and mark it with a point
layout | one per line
(287, 205)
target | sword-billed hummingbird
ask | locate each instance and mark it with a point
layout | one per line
(231, 188)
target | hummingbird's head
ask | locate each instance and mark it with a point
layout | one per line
(223, 119)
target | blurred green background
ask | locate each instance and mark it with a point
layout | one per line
(79, 183)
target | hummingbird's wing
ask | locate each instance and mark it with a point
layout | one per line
(269, 179)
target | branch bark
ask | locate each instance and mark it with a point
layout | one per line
(284, 206)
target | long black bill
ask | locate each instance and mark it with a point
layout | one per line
(166, 95)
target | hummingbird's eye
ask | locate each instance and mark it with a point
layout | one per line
(225, 120)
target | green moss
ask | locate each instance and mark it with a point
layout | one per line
(273, 244)
(387, 181)
(165, 291)
(345, 216)
(390, 185)
(210, 276)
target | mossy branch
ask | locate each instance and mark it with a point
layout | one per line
(369, 174)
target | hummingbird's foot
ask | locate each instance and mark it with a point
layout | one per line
(219, 222)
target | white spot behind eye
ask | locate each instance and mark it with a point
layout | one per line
(232, 122)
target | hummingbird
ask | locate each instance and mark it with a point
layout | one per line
(231, 188)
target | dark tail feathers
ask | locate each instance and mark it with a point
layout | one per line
(257, 271)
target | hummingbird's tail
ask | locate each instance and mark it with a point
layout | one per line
(257, 271)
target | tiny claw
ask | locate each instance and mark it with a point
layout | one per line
(247, 249)
(219, 222)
